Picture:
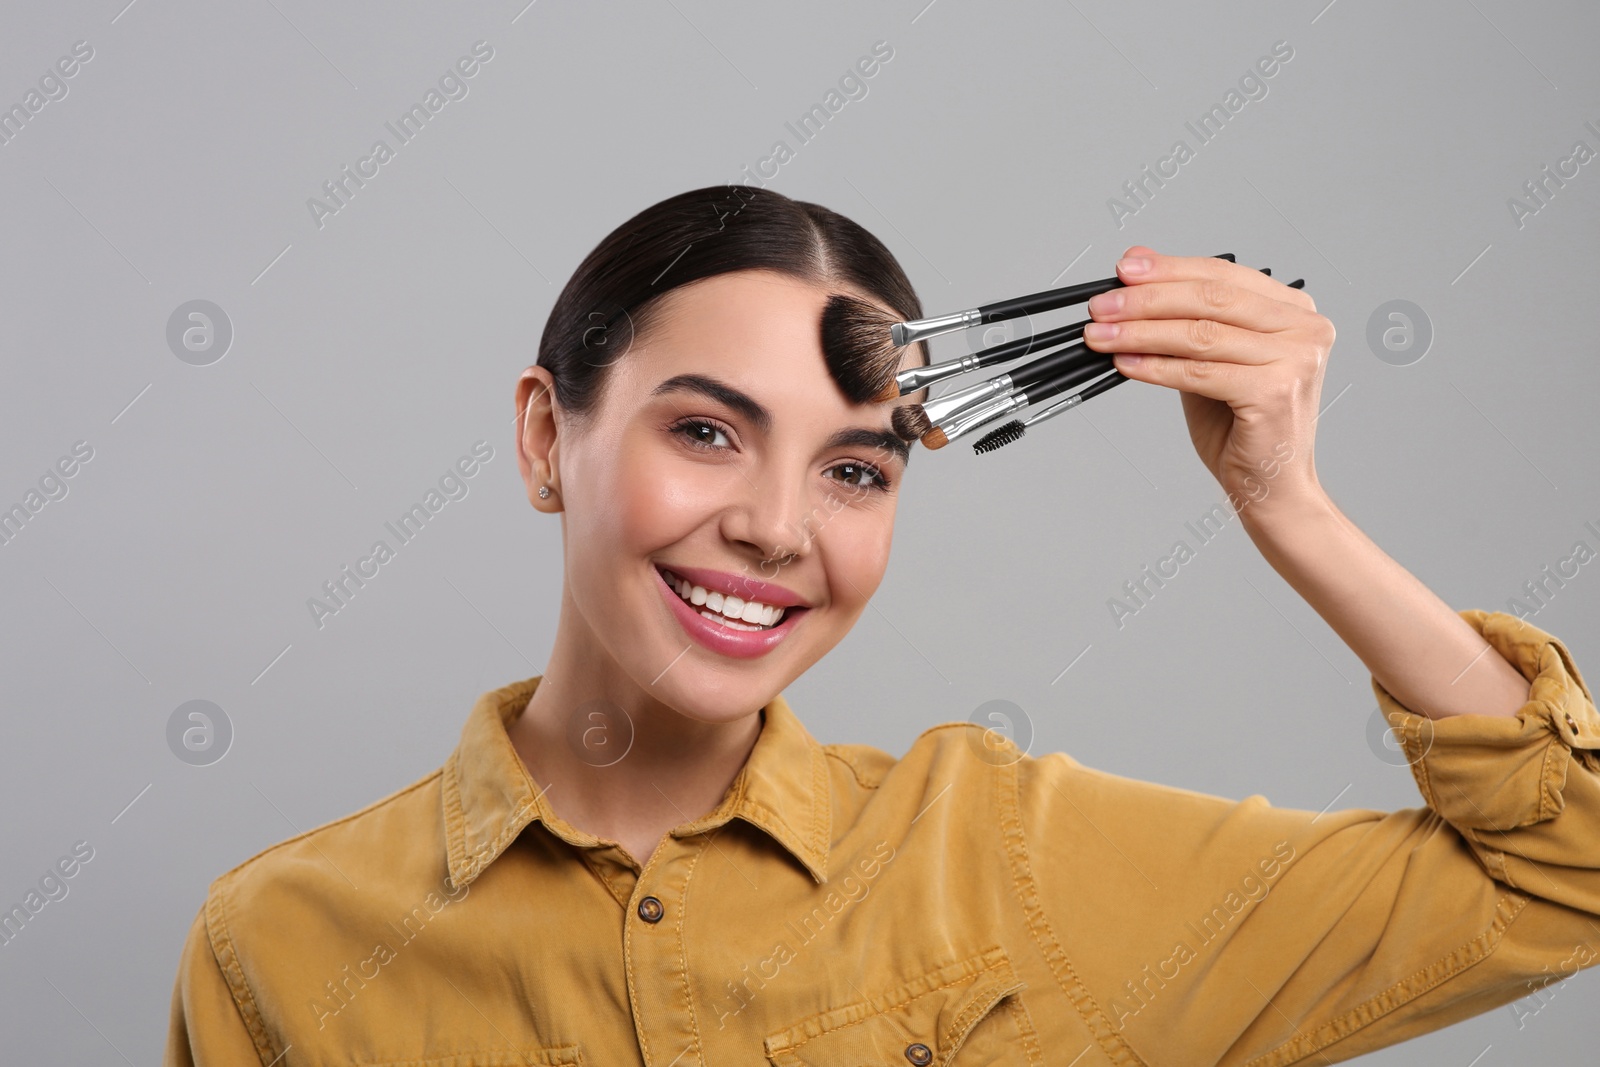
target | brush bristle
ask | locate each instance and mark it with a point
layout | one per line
(888, 392)
(934, 438)
(858, 348)
(910, 422)
(994, 439)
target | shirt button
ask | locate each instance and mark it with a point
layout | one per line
(651, 910)
(1572, 725)
(919, 1054)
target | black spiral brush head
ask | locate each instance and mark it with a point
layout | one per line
(1011, 431)
(860, 353)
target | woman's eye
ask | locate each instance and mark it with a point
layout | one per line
(702, 433)
(861, 474)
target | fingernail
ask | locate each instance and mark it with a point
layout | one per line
(1126, 359)
(1101, 331)
(1106, 303)
(1134, 265)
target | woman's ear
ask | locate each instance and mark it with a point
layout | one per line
(537, 444)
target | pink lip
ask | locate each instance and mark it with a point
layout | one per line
(739, 644)
(740, 585)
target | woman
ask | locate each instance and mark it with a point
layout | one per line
(642, 856)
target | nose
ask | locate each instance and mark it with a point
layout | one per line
(775, 515)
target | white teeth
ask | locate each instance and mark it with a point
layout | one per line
(729, 610)
(729, 623)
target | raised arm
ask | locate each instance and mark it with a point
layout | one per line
(1248, 355)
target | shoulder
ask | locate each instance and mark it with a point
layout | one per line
(316, 879)
(868, 765)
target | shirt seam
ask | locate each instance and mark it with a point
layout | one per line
(855, 771)
(1475, 951)
(244, 999)
(992, 959)
(683, 947)
(1014, 840)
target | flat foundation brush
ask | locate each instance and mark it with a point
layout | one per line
(913, 421)
(915, 378)
(970, 419)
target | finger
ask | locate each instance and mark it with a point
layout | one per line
(1205, 298)
(1228, 382)
(1176, 268)
(1186, 338)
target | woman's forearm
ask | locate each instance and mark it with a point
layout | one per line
(1414, 644)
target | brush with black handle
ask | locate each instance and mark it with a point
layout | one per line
(905, 333)
(1013, 430)
(916, 378)
(1032, 389)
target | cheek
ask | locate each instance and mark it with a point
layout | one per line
(645, 500)
(856, 545)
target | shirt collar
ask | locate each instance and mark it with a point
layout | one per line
(489, 797)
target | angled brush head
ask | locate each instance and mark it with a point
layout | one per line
(860, 352)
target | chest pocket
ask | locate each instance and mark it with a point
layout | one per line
(969, 1012)
(564, 1056)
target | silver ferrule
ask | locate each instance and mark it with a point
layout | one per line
(958, 401)
(906, 333)
(1053, 409)
(909, 381)
(970, 420)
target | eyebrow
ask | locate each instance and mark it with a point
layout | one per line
(761, 418)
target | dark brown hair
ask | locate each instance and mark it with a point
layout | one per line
(614, 294)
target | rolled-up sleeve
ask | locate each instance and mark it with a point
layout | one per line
(1523, 791)
(205, 1028)
(1196, 929)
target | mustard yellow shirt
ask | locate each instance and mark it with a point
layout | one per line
(964, 904)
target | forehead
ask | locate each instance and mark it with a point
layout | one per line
(757, 329)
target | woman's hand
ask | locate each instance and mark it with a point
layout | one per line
(1246, 352)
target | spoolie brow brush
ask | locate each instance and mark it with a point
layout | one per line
(905, 333)
(1013, 430)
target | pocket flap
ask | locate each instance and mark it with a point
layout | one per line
(936, 1011)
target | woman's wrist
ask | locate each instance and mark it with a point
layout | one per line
(1412, 642)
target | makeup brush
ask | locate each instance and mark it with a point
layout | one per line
(852, 345)
(905, 333)
(912, 421)
(915, 378)
(970, 419)
(862, 362)
(1013, 430)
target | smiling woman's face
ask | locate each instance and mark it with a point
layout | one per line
(719, 444)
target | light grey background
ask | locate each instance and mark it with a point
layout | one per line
(370, 353)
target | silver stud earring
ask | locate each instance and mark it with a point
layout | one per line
(544, 492)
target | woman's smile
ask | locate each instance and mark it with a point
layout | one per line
(710, 610)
